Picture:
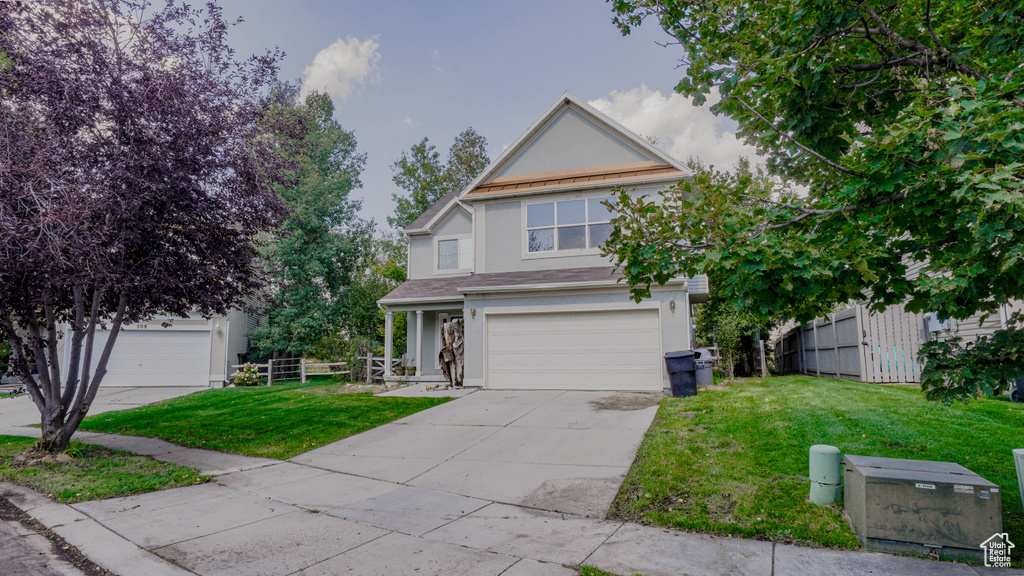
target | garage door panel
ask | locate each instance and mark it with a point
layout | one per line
(590, 350)
(156, 358)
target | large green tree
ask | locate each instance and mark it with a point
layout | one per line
(421, 174)
(905, 121)
(731, 324)
(315, 255)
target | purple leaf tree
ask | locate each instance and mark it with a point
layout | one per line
(136, 173)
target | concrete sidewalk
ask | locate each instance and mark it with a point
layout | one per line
(509, 483)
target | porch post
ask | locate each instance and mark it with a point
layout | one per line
(419, 343)
(389, 333)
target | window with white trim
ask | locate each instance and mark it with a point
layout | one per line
(455, 254)
(568, 224)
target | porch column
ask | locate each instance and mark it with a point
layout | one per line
(419, 343)
(389, 333)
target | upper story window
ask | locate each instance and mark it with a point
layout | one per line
(568, 224)
(454, 254)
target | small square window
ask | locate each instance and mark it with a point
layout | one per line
(540, 215)
(599, 234)
(455, 254)
(598, 212)
(447, 254)
(572, 238)
(572, 212)
(542, 240)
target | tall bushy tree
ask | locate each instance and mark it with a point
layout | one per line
(421, 173)
(136, 173)
(315, 255)
(903, 118)
(724, 320)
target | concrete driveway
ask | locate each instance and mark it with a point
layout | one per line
(552, 450)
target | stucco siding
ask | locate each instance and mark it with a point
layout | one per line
(571, 141)
(421, 257)
(457, 222)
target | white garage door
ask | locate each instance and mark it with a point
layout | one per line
(591, 350)
(157, 358)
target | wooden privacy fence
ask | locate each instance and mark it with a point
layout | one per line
(282, 369)
(856, 344)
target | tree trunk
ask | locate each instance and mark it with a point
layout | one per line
(54, 438)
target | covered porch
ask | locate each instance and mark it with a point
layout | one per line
(428, 304)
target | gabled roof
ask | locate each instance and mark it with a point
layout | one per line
(656, 166)
(428, 215)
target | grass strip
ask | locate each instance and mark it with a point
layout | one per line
(92, 473)
(277, 421)
(734, 461)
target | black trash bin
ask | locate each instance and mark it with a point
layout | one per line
(705, 374)
(682, 372)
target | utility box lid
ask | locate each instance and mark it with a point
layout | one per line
(895, 504)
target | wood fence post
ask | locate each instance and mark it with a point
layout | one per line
(369, 367)
(270, 371)
(302, 370)
(817, 350)
(835, 344)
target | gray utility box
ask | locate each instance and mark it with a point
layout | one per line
(921, 507)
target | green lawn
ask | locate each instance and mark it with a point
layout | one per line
(93, 473)
(277, 421)
(734, 461)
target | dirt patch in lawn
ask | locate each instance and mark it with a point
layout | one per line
(627, 401)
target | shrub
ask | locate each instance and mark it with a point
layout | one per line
(248, 375)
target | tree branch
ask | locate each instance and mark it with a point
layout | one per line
(74, 359)
(808, 212)
(932, 55)
(90, 337)
(20, 361)
(794, 141)
(81, 407)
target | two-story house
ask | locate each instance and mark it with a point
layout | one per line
(516, 255)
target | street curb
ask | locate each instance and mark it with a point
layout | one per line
(106, 548)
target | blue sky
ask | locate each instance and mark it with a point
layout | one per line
(402, 70)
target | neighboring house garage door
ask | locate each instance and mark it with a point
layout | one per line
(590, 350)
(157, 358)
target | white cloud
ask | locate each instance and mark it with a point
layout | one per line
(340, 67)
(408, 120)
(682, 129)
(436, 57)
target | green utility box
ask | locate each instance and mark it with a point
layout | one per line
(921, 507)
